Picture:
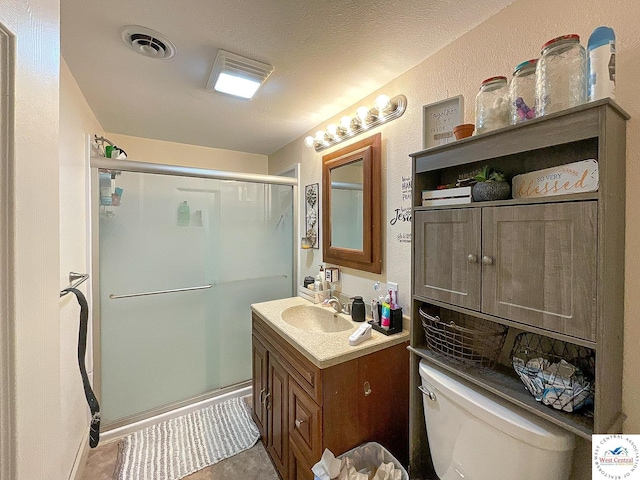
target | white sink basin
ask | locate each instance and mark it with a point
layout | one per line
(315, 319)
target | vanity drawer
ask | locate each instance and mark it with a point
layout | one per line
(305, 423)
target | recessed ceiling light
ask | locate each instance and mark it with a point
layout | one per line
(236, 75)
(147, 42)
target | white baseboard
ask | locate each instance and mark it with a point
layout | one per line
(81, 458)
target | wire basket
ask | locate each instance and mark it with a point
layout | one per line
(463, 337)
(556, 373)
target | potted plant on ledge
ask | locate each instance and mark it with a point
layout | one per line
(491, 185)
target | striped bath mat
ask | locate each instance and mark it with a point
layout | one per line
(178, 447)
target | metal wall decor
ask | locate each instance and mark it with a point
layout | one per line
(311, 215)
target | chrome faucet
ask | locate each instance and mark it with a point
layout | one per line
(335, 303)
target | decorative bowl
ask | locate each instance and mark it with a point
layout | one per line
(487, 191)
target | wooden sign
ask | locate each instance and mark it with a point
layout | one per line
(577, 177)
(438, 120)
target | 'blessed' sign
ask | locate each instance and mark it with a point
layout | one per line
(577, 177)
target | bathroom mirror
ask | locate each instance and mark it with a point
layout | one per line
(351, 234)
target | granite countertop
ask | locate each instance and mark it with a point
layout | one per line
(323, 349)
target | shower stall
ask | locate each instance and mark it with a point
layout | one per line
(179, 256)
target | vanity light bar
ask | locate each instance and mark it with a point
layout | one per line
(385, 110)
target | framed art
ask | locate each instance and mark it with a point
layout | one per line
(438, 120)
(311, 214)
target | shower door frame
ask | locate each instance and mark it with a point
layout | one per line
(97, 163)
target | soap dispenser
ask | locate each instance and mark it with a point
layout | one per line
(357, 309)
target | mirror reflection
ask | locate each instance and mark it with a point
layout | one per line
(347, 212)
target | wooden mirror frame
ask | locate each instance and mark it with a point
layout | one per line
(369, 258)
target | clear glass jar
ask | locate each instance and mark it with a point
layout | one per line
(492, 105)
(522, 92)
(561, 75)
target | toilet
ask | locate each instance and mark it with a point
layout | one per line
(475, 435)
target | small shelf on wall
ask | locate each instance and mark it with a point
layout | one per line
(504, 382)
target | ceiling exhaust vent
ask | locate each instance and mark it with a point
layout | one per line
(237, 75)
(147, 42)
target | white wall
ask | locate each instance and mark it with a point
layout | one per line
(493, 48)
(34, 310)
(158, 151)
(77, 121)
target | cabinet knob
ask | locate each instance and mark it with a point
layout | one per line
(299, 423)
(471, 258)
(487, 260)
(367, 389)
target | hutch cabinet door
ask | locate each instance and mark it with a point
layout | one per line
(447, 256)
(539, 265)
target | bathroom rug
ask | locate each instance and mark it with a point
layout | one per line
(181, 446)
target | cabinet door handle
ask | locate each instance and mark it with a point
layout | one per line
(261, 394)
(471, 258)
(367, 389)
(266, 397)
(299, 423)
(487, 260)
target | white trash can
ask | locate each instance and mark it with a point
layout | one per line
(369, 456)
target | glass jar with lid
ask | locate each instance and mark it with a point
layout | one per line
(492, 106)
(522, 92)
(561, 75)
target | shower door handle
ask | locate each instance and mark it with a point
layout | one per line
(159, 292)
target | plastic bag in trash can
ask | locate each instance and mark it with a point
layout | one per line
(368, 457)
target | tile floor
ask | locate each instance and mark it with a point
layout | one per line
(252, 464)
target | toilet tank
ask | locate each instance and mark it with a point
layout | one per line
(475, 435)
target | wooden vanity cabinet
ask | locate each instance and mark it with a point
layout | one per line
(551, 266)
(338, 407)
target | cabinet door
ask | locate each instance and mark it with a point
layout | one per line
(539, 265)
(447, 255)
(260, 380)
(277, 408)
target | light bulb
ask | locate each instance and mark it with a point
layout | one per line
(382, 103)
(332, 129)
(309, 141)
(345, 122)
(320, 136)
(362, 113)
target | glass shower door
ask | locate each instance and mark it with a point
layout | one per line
(175, 288)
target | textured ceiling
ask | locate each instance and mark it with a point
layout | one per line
(327, 55)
